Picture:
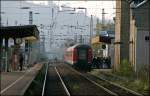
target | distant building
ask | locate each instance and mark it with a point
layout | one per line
(139, 33)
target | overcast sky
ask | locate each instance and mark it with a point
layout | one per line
(93, 7)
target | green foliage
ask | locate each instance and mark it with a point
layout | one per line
(35, 88)
(125, 69)
(143, 72)
(143, 76)
(138, 81)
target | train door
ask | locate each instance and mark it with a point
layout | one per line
(82, 57)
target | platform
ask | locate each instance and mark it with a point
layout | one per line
(16, 83)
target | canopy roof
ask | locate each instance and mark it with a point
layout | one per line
(19, 31)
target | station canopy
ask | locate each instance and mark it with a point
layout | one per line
(28, 32)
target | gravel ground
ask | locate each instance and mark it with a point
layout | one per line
(53, 84)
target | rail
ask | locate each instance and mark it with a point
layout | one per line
(107, 90)
(131, 91)
(43, 90)
(66, 90)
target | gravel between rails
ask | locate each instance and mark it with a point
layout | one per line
(54, 86)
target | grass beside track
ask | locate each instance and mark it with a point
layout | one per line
(133, 84)
(35, 89)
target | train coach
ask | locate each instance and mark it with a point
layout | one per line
(79, 56)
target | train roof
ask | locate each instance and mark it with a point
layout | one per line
(77, 46)
(80, 45)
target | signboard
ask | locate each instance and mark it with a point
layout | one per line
(95, 40)
(10, 42)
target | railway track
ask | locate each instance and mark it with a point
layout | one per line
(63, 80)
(107, 85)
(119, 90)
(55, 85)
(79, 85)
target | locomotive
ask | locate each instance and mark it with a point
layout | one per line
(79, 56)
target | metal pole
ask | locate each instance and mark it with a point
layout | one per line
(103, 16)
(91, 28)
(30, 17)
(27, 44)
(103, 19)
(6, 52)
(51, 27)
(1, 40)
(44, 44)
(7, 22)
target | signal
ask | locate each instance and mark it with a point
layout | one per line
(105, 39)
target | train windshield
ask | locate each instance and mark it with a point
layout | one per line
(82, 54)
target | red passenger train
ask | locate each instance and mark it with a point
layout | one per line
(80, 56)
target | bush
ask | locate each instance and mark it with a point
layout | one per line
(143, 75)
(138, 81)
(125, 69)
